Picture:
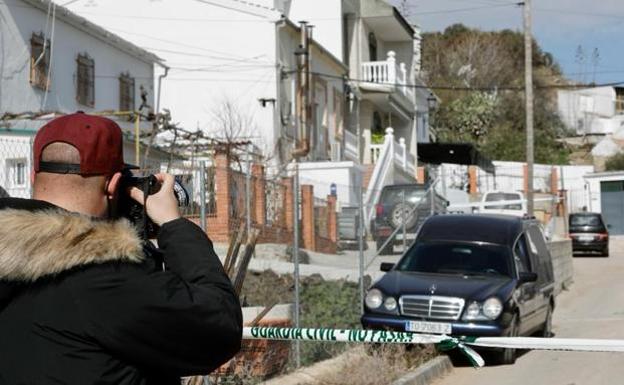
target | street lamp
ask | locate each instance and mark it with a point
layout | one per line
(432, 103)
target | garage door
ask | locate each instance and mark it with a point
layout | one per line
(612, 205)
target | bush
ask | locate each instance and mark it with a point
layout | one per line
(615, 163)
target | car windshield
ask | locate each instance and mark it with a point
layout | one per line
(585, 220)
(466, 258)
(395, 195)
(495, 197)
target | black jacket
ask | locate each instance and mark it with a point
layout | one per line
(80, 304)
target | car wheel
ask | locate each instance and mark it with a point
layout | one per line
(386, 250)
(508, 356)
(605, 252)
(547, 329)
(403, 211)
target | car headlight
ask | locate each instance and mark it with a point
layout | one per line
(390, 304)
(489, 310)
(492, 308)
(374, 299)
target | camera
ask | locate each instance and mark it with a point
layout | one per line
(134, 211)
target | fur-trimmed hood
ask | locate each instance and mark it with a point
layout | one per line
(38, 243)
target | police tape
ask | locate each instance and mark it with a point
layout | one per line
(442, 342)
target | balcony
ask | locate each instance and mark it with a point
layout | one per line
(388, 76)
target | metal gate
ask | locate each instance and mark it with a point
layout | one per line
(612, 205)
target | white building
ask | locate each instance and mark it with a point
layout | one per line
(592, 111)
(55, 62)
(244, 53)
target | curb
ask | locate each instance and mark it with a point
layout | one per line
(427, 372)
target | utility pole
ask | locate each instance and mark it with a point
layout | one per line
(302, 147)
(528, 85)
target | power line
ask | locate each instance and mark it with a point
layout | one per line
(181, 19)
(580, 13)
(454, 88)
(228, 56)
(230, 8)
(468, 9)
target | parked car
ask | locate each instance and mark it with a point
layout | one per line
(468, 275)
(409, 203)
(589, 233)
(518, 208)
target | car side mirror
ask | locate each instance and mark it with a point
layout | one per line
(386, 266)
(608, 226)
(525, 277)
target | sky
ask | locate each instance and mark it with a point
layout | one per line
(560, 27)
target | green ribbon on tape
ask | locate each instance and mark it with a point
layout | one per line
(460, 343)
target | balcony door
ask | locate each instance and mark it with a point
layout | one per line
(372, 47)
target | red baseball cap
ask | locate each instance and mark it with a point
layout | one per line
(98, 140)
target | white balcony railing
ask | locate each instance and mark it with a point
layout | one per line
(375, 150)
(391, 155)
(388, 73)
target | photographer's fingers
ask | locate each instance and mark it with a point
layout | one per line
(162, 207)
(167, 181)
(136, 194)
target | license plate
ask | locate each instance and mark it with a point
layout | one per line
(408, 236)
(428, 327)
(586, 238)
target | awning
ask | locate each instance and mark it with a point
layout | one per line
(454, 153)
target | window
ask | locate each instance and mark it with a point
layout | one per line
(39, 61)
(126, 92)
(521, 255)
(16, 172)
(619, 100)
(85, 80)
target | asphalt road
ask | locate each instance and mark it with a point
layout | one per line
(592, 308)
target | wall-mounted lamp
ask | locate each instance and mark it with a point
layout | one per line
(264, 101)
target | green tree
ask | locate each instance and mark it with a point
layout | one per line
(493, 120)
(615, 162)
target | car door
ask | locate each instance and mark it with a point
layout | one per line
(540, 256)
(526, 292)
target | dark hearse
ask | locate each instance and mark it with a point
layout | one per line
(589, 233)
(468, 275)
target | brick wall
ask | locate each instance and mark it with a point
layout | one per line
(230, 211)
(260, 358)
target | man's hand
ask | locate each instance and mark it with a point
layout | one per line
(162, 207)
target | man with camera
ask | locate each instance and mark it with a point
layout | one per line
(83, 300)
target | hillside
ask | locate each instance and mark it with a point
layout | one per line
(490, 115)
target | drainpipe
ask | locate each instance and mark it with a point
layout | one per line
(160, 78)
(302, 146)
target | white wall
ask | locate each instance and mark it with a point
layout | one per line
(15, 149)
(326, 16)
(346, 175)
(18, 21)
(593, 181)
(588, 111)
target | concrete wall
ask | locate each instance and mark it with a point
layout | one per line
(346, 175)
(19, 22)
(328, 96)
(561, 253)
(587, 111)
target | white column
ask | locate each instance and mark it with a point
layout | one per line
(391, 67)
(402, 144)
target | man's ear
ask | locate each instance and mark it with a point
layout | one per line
(113, 185)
